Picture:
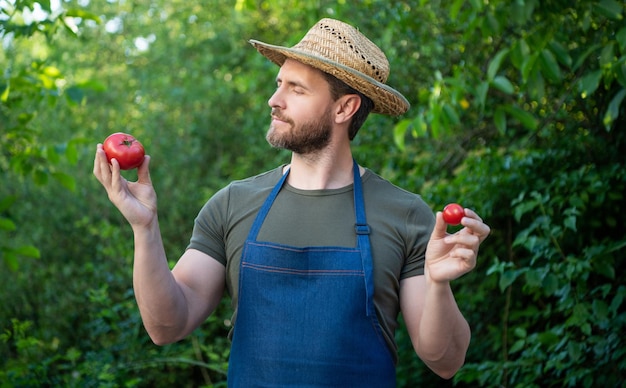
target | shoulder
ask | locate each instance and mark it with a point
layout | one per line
(261, 180)
(252, 186)
(386, 194)
(246, 191)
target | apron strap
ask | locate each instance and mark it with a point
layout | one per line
(260, 218)
(363, 240)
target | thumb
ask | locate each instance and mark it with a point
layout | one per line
(143, 172)
(441, 228)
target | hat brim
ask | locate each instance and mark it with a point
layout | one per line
(386, 99)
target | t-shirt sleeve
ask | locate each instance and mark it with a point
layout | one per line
(420, 222)
(209, 227)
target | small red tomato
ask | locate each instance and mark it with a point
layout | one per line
(453, 213)
(127, 150)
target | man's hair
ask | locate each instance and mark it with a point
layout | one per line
(338, 89)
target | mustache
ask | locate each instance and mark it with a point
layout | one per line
(275, 113)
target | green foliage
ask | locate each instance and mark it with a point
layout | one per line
(557, 286)
(539, 157)
(517, 112)
(29, 85)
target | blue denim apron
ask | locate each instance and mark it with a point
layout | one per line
(306, 316)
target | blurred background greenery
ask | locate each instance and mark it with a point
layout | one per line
(517, 111)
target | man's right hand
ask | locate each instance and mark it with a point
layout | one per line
(136, 201)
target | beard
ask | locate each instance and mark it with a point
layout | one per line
(306, 138)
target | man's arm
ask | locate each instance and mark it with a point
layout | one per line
(172, 303)
(439, 332)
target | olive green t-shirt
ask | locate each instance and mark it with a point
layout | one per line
(400, 224)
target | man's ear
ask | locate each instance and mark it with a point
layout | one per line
(347, 106)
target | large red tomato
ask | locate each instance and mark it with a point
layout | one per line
(127, 150)
(453, 213)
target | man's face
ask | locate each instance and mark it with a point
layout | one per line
(302, 118)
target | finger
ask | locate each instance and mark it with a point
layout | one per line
(96, 161)
(463, 238)
(472, 214)
(440, 229)
(143, 172)
(101, 167)
(115, 175)
(466, 255)
(475, 224)
(477, 228)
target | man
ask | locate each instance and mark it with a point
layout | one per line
(319, 256)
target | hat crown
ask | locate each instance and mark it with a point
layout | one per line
(342, 43)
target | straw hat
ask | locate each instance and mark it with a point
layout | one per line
(339, 49)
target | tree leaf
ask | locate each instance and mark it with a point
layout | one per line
(419, 126)
(517, 346)
(620, 37)
(5, 93)
(11, 260)
(561, 53)
(550, 66)
(81, 13)
(609, 8)
(613, 110)
(503, 84)
(570, 222)
(507, 278)
(455, 8)
(620, 71)
(481, 94)
(451, 115)
(399, 133)
(607, 55)
(7, 224)
(71, 152)
(525, 118)
(495, 63)
(617, 300)
(589, 83)
(519, 53)
(74, 94)
(7, 201)
(583, 57)
(28, 251)
(535, 276)
(499, 119)
(536, 86)
(66, 180)
(528, 65)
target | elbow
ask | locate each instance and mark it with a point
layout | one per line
(161, 341)
(162, 337)
(447, 374)
(448, 361)
(446, 370)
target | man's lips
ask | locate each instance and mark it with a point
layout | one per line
(276, 118)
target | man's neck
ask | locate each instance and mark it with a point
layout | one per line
(321, 171)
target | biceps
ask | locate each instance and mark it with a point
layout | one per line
(412, 294)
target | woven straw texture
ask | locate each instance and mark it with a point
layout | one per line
(339, 49)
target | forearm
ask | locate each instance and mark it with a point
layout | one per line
(444, 334)
(161, 301)
(439, 333)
